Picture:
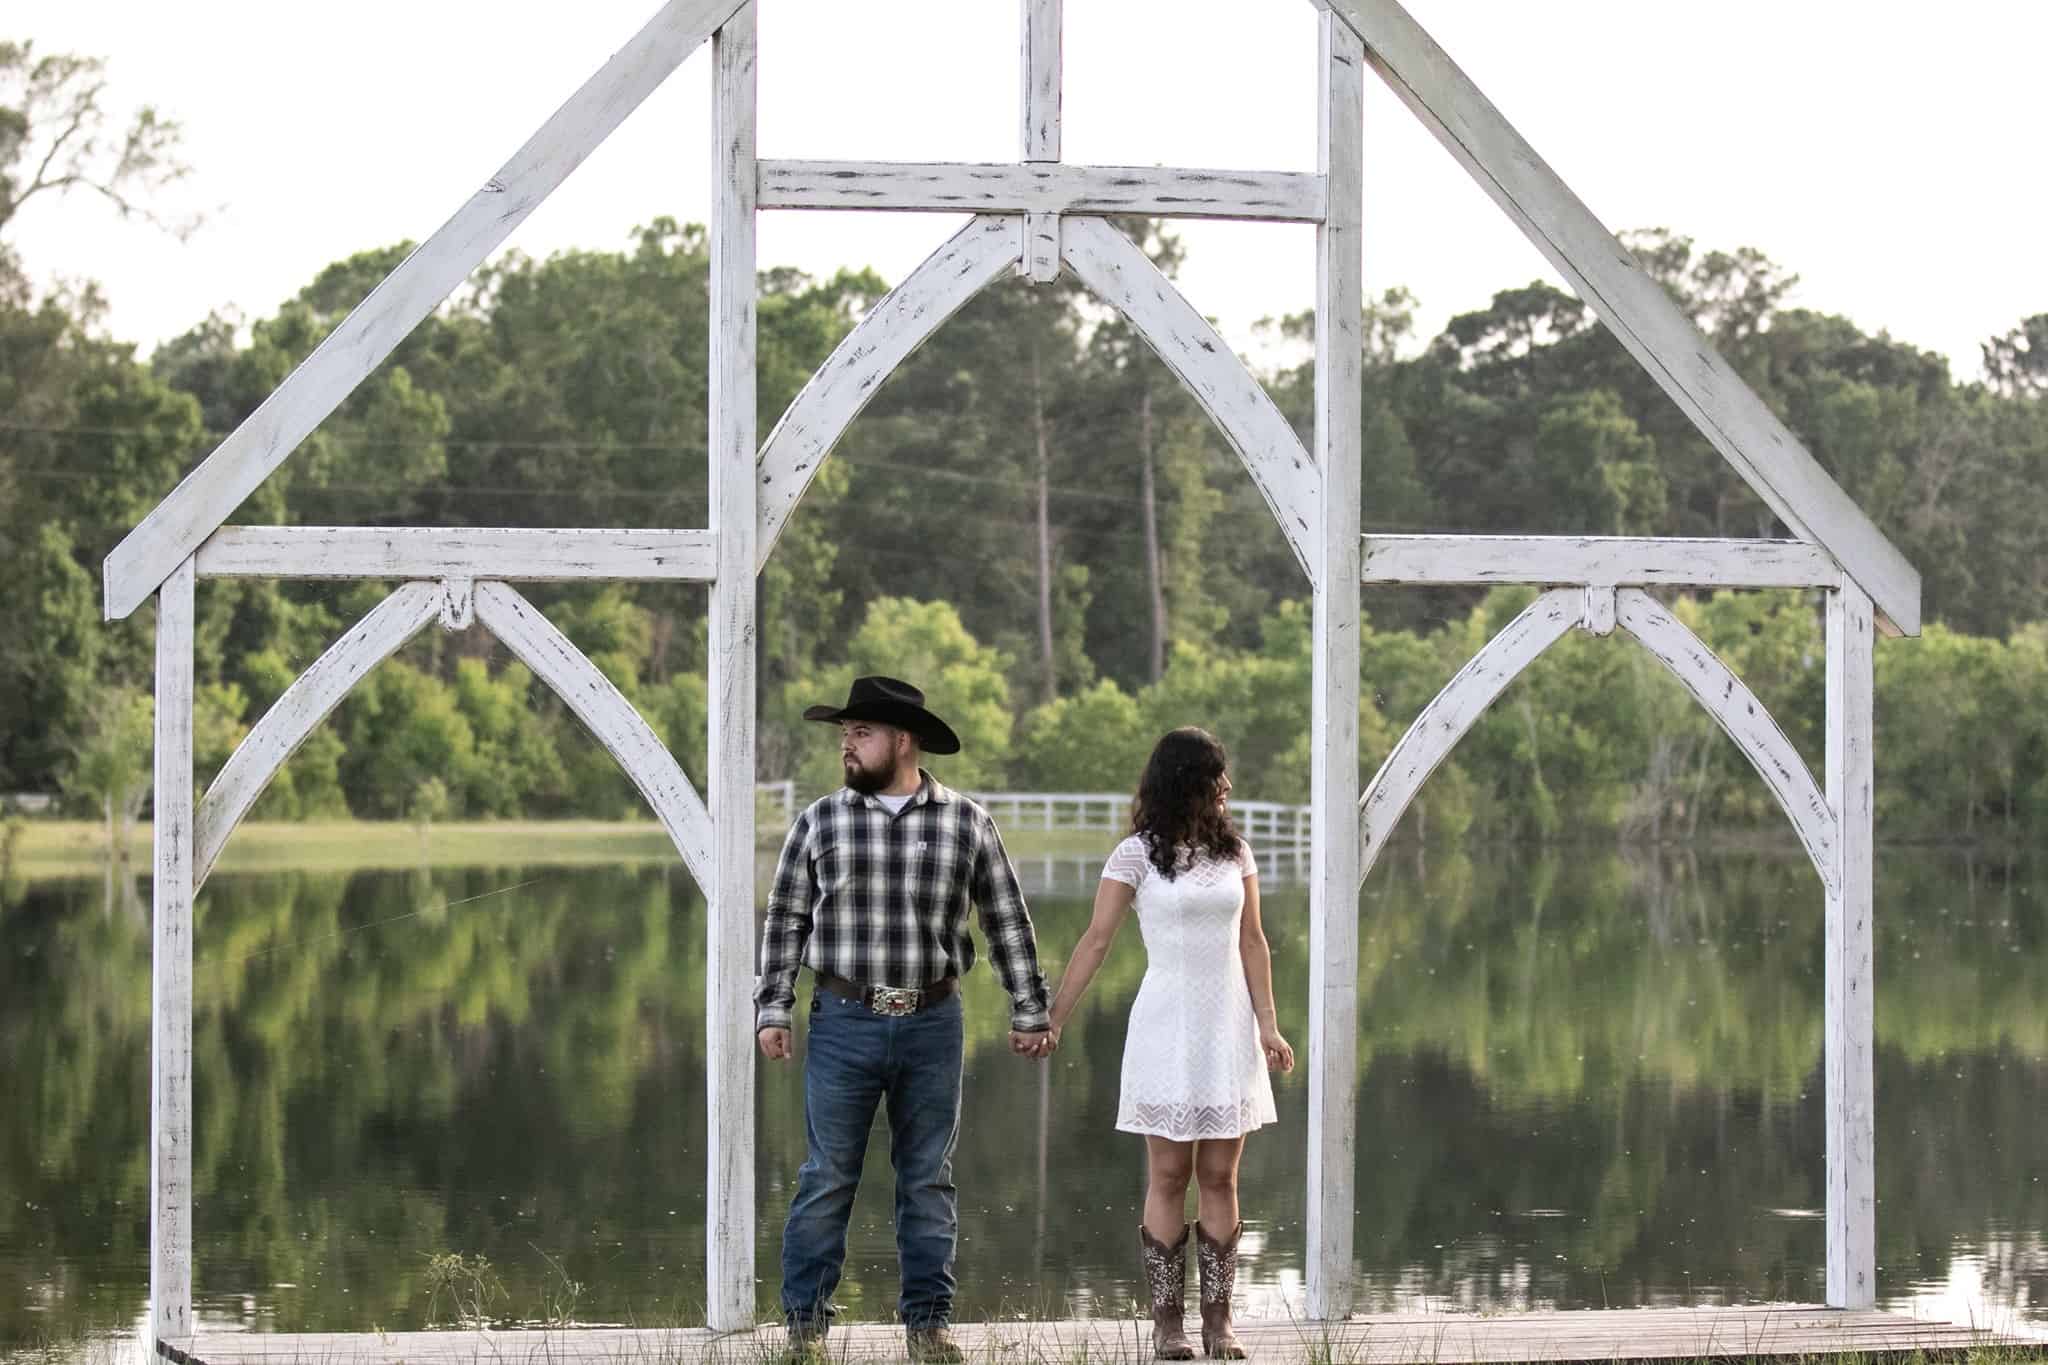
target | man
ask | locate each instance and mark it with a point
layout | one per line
(871, 893)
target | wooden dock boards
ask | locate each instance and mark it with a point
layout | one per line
(1368, 1339)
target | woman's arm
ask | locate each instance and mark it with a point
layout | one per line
(1112, 902)
(1258, 974)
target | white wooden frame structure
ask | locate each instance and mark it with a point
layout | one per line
(1035, 217)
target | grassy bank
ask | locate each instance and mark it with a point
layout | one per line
(61, 847)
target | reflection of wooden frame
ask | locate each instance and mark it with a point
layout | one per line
(1036, 216)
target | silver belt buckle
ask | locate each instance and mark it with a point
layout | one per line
(895, 1001)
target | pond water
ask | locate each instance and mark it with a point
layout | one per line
(1589, 1078)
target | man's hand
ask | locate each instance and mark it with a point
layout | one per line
(1034, 1045)
(775, 1044)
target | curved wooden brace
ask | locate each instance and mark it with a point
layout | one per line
(1742, 716)
(1113, 266)
(533, 639)
(305, 704)
(969, 261)
(1452, 712)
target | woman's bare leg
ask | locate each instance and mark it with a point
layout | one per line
(1216, 1185)
(1168, 1166)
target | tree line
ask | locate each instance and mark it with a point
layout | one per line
(1032, 520)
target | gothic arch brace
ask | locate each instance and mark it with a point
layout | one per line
(293, 716)
(1733, 706)
(530, 637)
(1111, 265)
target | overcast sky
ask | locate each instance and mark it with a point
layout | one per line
(1888, 156)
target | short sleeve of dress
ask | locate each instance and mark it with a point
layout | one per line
(1127, 862)
(1246, 860)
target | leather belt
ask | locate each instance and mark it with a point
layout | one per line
(894, 1001)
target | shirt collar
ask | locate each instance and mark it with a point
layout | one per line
(929, 788)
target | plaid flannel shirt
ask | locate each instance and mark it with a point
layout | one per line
(883, 899)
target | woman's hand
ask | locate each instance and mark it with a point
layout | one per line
(1279, 1056)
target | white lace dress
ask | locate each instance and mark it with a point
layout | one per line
(1192, 1063)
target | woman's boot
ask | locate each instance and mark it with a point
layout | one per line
(1166, 1275)
(1218, 1261)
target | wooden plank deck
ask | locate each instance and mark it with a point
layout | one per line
(1441, 1338)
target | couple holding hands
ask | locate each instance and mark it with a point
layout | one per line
(872, 894)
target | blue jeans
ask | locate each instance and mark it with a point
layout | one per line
(856, 1059)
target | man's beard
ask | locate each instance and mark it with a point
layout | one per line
(867, 781)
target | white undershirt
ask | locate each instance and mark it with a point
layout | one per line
(894, 803)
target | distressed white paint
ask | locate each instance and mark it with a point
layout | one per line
(210, 493)
(308, 701)
(1042, 187)
(1629, 560)
(1850, 1019)
(1454, 710)
(524, 554)
(1743, 718)
(1111, 264)
(1333, 710)
(1040, 81)
(170, 970)
(602, 708)
(1041, 251)
(1635, 307)
(729, 919)
(1597, 614)
(968, 261)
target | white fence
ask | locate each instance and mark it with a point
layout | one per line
(1264, 824)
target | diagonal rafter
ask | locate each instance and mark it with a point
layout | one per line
(1635, 307)
(209, 494)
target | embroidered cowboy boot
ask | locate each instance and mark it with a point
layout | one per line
(1166, 1275)
(1218, 1262)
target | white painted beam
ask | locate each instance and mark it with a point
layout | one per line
(1042, 187)
(1849, 1015)
(729, 917)
(1742, 718)
(1041, 80)
(966, 264)
(1454, 710)
(517, 553)
(1642, 561)
(210, 494)
(170, 973)
(1333, 719)
(308, 701)
(601, 707)
(1121, 275)
(1635, 307)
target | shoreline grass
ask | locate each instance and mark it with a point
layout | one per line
(69, 847)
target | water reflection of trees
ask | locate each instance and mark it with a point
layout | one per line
(1584, 1079)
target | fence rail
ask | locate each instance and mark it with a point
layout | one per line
(1264, 824)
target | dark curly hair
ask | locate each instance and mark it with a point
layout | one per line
(1176, 807)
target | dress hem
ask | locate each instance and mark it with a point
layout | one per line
(1193, 1137)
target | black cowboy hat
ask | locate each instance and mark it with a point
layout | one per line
(891, 701)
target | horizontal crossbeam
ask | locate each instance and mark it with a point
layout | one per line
(1042, 187)
(1603, 560)
(522, 554)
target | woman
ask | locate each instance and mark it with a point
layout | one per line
(1202, 1031)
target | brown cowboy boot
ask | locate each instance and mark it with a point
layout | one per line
(932, 1346)
(1218, 1261)
(1166, 1275)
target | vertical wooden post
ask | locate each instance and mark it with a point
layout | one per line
(1040, 86)
(1850, 1021)
(1333, 856)
(729, 920)
(1041, 80)
(170, 973)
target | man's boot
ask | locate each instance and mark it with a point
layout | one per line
(1166, 1276)
(1218, 1261)
(932, 1346)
